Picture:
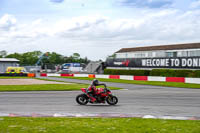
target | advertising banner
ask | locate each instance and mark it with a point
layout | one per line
(179, 62)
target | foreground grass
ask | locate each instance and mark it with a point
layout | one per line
(46, 87)
(154, 83)
(98, 125)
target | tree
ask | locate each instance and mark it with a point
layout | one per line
(3, 53)
(30, 58)
(17, 56)
(76, 55)
(112, 56)
(55, 58)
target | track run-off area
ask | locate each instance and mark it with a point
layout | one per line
(134, 100)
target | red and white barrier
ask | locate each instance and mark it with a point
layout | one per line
(102, 76)
(192, 80)
(152, 78)
(81, 75)
(124, 77)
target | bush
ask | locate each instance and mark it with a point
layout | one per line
(127, 72)
(197, 73)
(171, 73)
(155, 72)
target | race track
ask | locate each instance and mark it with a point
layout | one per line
(137, 100)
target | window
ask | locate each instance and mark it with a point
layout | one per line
(194, 53)
(171, 54)
(184, 53)
(150, 54)
(160, 54)
(140, 55)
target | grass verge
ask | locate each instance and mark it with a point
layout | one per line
(154, 83)
(98, 125)
(45, 87)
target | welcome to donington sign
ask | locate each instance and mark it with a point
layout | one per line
(181, 62)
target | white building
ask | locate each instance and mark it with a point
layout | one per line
(6, 62)
(163, 56)
(178, 50)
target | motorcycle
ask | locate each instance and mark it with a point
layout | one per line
(102, 95)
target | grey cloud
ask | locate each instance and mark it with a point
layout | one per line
(145, 3)
(171, 27)
(57, 1)
(7, 22)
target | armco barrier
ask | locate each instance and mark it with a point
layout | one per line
(126, 77)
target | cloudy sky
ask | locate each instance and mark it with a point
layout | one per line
(96, 28)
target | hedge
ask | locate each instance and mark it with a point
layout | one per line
(127, 72)
(155, 72)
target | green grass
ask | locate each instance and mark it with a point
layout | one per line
(45, 87)
(153, 83)
(96, 125)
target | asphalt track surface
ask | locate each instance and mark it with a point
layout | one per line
(135, 99)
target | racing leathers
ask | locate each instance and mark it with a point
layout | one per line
(91, 90)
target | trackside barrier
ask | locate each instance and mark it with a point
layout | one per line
(80, 75)
(143, 78)
(31, 75)
(151, 78)
(43, 74)
(67, 75)
(175, 79)
(91, 76)
(126, 77)
(53, 74)
(192, 80)
(102, 76)
(114, 77)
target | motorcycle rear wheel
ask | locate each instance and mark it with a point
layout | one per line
(82, 99)
(112, 100)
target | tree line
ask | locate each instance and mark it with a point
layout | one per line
(31, 58)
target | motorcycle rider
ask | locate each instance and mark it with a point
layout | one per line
(91, 90)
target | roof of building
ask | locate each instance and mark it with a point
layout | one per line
(8, 60)
(161, 47)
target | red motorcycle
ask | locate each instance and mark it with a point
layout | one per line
(101, 95)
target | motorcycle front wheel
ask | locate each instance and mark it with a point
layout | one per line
(82, 99)
(112, 100)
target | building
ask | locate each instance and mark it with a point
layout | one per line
(180, 56)
(6, 62)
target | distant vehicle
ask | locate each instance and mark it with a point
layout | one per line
(72, 67)
(34, 70)
(16, 70)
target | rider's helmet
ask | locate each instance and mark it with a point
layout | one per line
(95, 82)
